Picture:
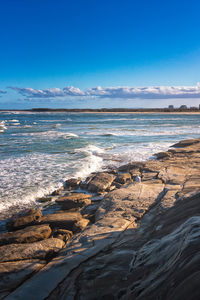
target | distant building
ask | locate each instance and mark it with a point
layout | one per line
(199, 106)
(183, 107)
(171, 107)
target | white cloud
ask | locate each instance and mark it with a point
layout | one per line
(2, 92)
(49, 93)
(119, 92)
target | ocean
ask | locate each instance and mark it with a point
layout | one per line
(39, 151)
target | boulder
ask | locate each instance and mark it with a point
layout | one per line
(75, 200)
(28, 218)
(101, 182)
(14, 273)
(64, 220)
(73, 183)
(37, 250)
(123, 178)
(29, 234)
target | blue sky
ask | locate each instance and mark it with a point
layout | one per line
(150, 47)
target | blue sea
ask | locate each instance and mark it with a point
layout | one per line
(39, 151)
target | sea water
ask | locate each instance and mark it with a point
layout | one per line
(39, 151)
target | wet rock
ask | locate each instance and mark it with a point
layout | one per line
(58, 191)
(100, 182)
(74, 200)
(64, 220)
(12, 274)
(73, 183)
(44, 199)
(123, 178)
(37, 250)
(29, 234)
(28, 218)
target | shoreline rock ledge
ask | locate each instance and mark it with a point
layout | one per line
(143, 241)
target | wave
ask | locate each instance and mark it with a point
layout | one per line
(26, 178)
(13, 120)
(2, 126)
(49, 135)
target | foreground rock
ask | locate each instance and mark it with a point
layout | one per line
(37, 250)
(14, 273)
(76, 200)
(28, 218)
(72, 184)
(29, 234)
(63, 220)
(100, 182)
(144, 243)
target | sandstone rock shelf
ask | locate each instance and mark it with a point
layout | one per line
(142, 241)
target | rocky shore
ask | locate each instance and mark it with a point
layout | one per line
(111, 237)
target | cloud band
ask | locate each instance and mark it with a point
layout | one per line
(152, 92)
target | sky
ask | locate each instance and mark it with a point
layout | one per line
(99, 53)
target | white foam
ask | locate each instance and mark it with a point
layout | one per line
(14, 120)
(28, 177)
(51, 134)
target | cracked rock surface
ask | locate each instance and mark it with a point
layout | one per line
(144, 242)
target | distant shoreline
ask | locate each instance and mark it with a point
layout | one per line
(109, 111)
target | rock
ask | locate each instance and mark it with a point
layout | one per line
(174, 174)
(111, 188)
(44, 199)
(63, 234)
(37, 250)
(13, 274)
(58, 191)
(117, 185)
(75, 200)
(136, 165)
(101, 182)
(130, 202)
(123, 178)
(186, 143)
(162, 155)
(28, 218)
(84, 184)
(144, 243)
(148, 176)
(80, 225)
(64, 220)
(73, 183)
(29, 234)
